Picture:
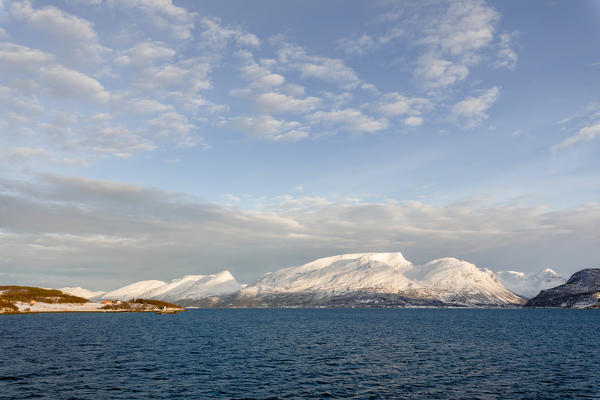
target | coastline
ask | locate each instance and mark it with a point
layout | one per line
(90, 307)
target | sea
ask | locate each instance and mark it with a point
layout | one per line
(303, 354)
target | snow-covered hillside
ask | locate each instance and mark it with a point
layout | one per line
(529, 284)
(190, 287)
(80, 292)
(447, 280)
(141, 289)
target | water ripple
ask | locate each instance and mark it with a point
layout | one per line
(316, 354)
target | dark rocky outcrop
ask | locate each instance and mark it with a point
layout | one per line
(582, 290)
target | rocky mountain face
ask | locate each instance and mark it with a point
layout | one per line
(527, 284)
(374, 280)
(582, 290)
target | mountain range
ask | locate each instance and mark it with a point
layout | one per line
(347, 280)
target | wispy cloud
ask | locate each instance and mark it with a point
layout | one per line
(473, 110)
(585, 134)
(98, 228)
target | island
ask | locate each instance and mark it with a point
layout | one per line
(27, 299)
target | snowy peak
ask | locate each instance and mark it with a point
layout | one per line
(190, 287)
(139, 289)
(447, 280)
(197, 286)
(80, 292)
(529, 284)
(373, 271)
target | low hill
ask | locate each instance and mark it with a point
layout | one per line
(26, 299)
(28, 293)
(11, 295)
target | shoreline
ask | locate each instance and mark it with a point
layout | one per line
(89, 307)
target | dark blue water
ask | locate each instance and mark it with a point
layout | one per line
(332, 353)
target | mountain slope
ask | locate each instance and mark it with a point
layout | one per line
(529, 284)
(190, 287)
(379, 279)
(381, 272)
(582, 290)
(80, 292)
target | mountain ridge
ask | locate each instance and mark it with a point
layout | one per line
(354, 279)
(384, 279)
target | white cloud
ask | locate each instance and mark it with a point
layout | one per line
(261, 76)
(186, 78)
(17, 60)
(585, 134)
(357, 45)
(99, 227)
(349, 119)
(338, 99)
(507, 57)
(63, 82)
(327, 69)
(74, 37)
(145, 105)
(216, 37)
(454, 37)
(163, 14)
(144, 53)
(396, 104)
(413, 121)
(266, 127)
(474, 109)
(273, 102)
(25, 154)
(232, 198)
(177, 128)
(435, 73)
(464, 28)
(22, 102)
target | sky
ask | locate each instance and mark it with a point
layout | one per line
(150, 139)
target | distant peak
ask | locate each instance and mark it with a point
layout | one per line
(389, 258)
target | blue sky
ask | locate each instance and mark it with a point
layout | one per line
(296, 128)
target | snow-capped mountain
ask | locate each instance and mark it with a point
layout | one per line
(139, 289)
(529, 284)
(378, 279)
(190, 287)
(80, 292)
